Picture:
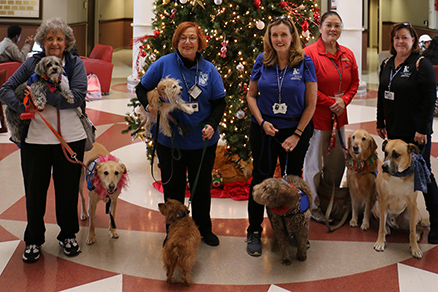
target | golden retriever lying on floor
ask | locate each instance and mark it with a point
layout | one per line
(105, 177)
(183, 240)
(361, 162)
(396, 193)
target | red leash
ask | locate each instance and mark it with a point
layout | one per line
(65, 147)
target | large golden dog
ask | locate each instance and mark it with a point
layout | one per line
(105, 178)
(396, 196)
(362, 163)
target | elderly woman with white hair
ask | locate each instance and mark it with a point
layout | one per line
(42, 155)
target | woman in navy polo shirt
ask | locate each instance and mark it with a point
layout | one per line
(204, 90)
(282, 99)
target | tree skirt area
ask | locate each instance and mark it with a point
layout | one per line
(238, 190)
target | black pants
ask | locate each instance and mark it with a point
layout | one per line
(265, 150)
(176, 170)
(38, 162)
(431, 197)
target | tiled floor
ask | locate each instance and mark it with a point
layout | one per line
(340, 261)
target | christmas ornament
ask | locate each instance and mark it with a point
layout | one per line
(183, 1)
(283, 4)
(305, 25)
(207, 37)
(240, 114)
(173, 13)
(224, 49)
(152, 58)
(240, 67)
(156, 33)
(245, 87)
(302, 7)
(165, 2)
(143, 54)
(257, 4)
(217, 180)
(305, 34)
(260, 25)
(218, 2)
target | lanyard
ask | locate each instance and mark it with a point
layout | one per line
(280, 80)
(184, 77)
(339, 72)
(391, 76)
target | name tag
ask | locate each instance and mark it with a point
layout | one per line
(193, 105)
(389, 95)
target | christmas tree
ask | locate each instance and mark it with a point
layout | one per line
(234, 30)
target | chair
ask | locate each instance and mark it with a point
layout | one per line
(100, 64)
(10, 67)
(3, 127)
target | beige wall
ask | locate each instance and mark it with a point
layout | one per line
(405, 10)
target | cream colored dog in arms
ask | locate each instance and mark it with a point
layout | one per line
(105, 177)
(166, 97)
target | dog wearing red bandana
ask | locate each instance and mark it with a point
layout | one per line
(288, 210)
(105, 176)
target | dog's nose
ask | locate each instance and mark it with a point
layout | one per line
(355, 148)
(112, 186)
(385, 167)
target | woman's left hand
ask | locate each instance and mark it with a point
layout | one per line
(420, 138)
(290, 143)
(207, 132)
(339, 106)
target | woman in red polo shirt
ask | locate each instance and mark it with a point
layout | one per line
(338, 80)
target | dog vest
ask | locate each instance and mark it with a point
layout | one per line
(90, 174)
(304, 204)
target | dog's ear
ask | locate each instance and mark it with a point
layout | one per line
(373, 144)
(412, 148)
(124, 169)
(384, 145)
(349, 142)
(40, 67)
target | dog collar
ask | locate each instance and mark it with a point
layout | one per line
(181, 215)
(304, 204)
(91, 174)
(162, 99)
(366, 166)
(49, 80)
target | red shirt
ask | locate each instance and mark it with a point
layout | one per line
(328, 81)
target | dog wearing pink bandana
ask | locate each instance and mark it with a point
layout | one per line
(288, 201)
(105, 178)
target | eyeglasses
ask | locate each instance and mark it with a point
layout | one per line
(191, 39)
(402, 24)
(280, 19)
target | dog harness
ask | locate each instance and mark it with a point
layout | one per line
(90, 174)
(420, 170)
(363, 166)
(304, 204)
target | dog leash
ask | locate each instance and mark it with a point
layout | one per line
(65, 147)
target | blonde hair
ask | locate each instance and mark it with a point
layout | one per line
(296, 52)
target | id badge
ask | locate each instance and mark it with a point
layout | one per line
(279, 108)
(193, 105)
(195, 91)
(389, 95)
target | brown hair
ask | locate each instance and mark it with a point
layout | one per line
(202, 42)
(296, 52)
(410, 28)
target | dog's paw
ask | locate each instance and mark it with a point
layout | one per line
(189, 110)
(83, 217)
(113, 234)
(70, 99)
(365, 226)
(379, 246)
(286, 262)
(416, 252)
(353, 223)
(90, 240)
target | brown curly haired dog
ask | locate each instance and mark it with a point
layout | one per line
(183, 240)
(288, 210)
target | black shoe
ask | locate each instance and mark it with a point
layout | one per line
(210, 239)
(71, 247)
(31, 253)
(254, 244)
